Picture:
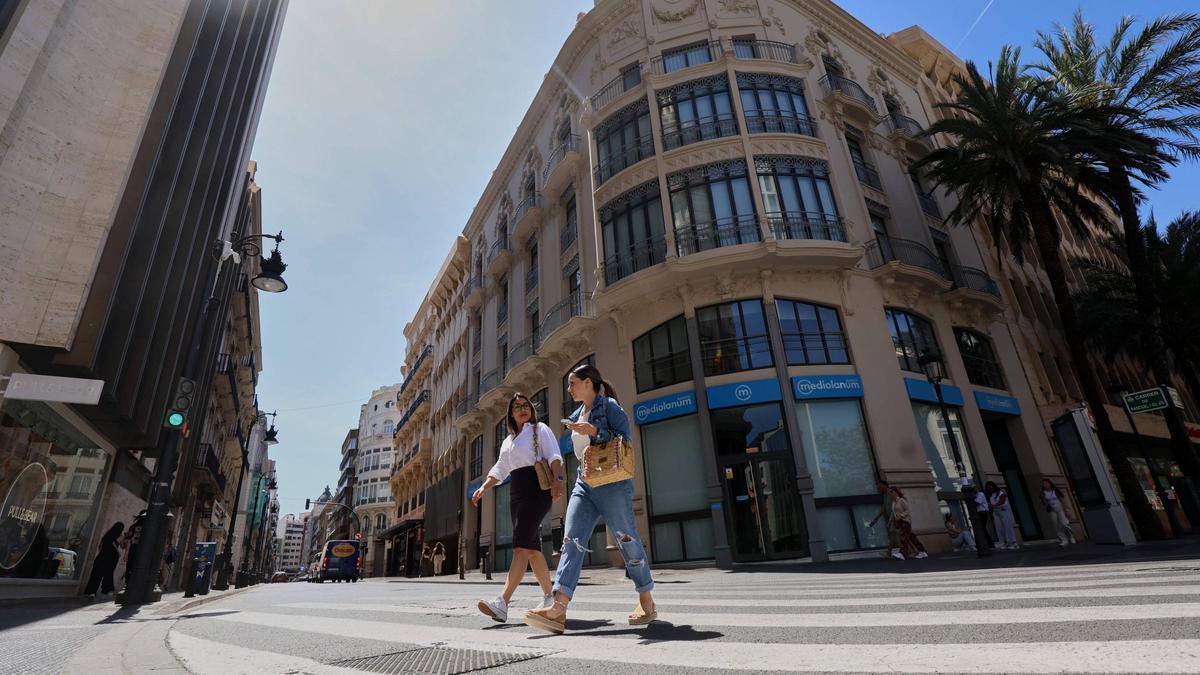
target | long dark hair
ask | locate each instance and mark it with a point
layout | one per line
(1057, 493)
(990, 487)
(590, 372)
(512, 421)
(114, 532)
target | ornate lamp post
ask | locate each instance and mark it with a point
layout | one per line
(935, 372)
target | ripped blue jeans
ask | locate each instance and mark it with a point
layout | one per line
(613, 502)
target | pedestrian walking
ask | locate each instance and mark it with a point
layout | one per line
(885, 514)
(131, 541)
(101, 580)
(959, 538)
(426, 561)
(1006, 531)
(597, 421)
(1053, 498)
(976, 504)
(168, 562)
(529, 444)
(439, 557)
(902, 525)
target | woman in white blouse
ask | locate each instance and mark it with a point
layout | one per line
(528, 442)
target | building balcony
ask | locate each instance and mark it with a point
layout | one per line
(911, 259)
(473, 292)
(519, 356)
(633, 259)
(561, 165)
(206, 459)
(563, 322)
(677, 135)
(415, 412)
(682, 59)
(908, 131)
(929, 205)
(868, 175)
(819, 239)
(849, 96)
(614, 89)
(975, 286)
(527, 215)
(731, 231)
(642, 149)
(415, 370)
(465, 406)
(499, 257)
(780, 122)
(767, 50)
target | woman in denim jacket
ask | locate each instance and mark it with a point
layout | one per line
(597, 420)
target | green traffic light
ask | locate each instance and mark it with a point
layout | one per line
(175, 419)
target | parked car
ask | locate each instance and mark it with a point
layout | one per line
(280, 578)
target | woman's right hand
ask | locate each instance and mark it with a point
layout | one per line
(475, 498)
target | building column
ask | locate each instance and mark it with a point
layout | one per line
(804, 481)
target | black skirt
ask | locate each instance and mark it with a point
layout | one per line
(528, 505)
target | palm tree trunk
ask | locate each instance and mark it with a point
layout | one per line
(1150, 314)
(1049, 244)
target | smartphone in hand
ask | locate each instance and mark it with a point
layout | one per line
(566, 422)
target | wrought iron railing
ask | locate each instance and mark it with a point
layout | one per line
(610, 91)
(903, 124)
(526, 205)
(531, 279)
(571, 144)
(681, 59)
(206, 458)
(473, 284)
(499, 246)
(764, 49)
(643, 148)
(806, 225)
(634, 258)
(848, 88)
(568, 235)
(518, 353)
(422, 397)
(415, 367)
(679, 134)
(730, 231)
(779, 122)
(465, 405)
(575, 304)
(929, 204)
(884, 249)
(975, 280)
(867, 175)
(491, 379)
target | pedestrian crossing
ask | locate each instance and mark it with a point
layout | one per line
(1127, 617)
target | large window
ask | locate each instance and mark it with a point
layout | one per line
(867, 174)
(839, 458)
(696, 111)
(939, 453)
(623, 140)
(476, 457)
(660, 357)
(502, 302)
(686, 57)
(752, 429)
(501, 434)
(798, 198)
(569, 405)
(570, 225)
(912, 336)
(774, 104)
(539, 406)
(812, 334)
(979, 358)
(733, 337)
(712, 207)
(680, 519)
(633, 232)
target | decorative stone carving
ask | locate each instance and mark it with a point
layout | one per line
(819, 43)
(598, 67)
(675, 16)
(737, 6)
(772, 19)
(630, 27)
(724, 286)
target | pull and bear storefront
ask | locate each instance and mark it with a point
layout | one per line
(756, 509)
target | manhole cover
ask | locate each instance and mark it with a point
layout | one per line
(440, 660)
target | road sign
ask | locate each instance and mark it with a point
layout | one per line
(1147, 400)
(29, 387)
(1175, 399)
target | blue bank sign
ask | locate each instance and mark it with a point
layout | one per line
(921, 390)
(744, 393)
(827, 386)
(999, 403)
(665, 407)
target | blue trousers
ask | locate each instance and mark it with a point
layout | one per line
(613, 502)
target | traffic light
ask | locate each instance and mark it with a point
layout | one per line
(307, 504)
(181, 402)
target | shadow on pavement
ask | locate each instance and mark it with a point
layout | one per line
(659, 631)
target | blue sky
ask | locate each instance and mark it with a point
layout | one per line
(383, 122)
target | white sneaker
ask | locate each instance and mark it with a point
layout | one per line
(547, 601)
(897, 555)
(497, 609)
(922, 554)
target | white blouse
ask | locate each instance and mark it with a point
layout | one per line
(581, 441)
(516, 453)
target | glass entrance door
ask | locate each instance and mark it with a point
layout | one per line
(765, 515)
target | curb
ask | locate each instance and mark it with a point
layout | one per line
(204, 600)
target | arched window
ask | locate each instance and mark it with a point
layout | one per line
(366, 525)
(983, 368)
(912, 335)
(380, 522)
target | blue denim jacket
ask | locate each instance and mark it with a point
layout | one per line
(609, 419)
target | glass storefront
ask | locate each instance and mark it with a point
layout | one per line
(680, 520)
(838, 453)
(935, 438)
(51, 479)
(504, 529)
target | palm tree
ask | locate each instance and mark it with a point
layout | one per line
(1150, 79)
(1108, 305)
(1019, 160)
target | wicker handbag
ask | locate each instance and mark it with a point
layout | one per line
(541, 466)
(608, 463)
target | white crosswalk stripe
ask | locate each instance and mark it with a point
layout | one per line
(1040, 619)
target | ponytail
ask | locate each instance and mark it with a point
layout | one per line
(590, 372)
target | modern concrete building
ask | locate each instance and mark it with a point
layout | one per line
(292, 540)
(126, 129)
(711, 201)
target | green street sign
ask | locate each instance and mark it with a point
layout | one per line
(1147, 400)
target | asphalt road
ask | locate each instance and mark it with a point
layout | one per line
(1104, 615)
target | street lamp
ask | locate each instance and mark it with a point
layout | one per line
(270, 277)
(935, 371)
(271, 437)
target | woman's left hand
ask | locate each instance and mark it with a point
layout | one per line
(584, 428)
(556, 490)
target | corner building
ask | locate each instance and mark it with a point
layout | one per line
(710, 200)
